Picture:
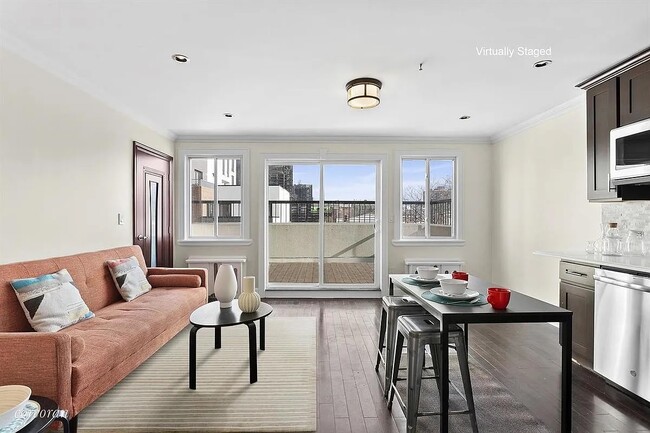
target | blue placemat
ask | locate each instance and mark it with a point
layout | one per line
(440, 300)
(428, 284)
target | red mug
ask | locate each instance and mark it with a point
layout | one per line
(459, 275)
(498, 297)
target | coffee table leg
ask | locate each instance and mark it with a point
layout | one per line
(262, 334)
(217, 337)
(252, 350)
(193, 357)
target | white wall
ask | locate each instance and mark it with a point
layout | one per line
(540, 202)
(476, 204)
(65, 165)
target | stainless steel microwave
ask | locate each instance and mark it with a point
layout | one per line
(629, 161)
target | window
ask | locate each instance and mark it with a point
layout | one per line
(428, 206)
(214, 197)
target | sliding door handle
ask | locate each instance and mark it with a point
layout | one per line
(142, 237)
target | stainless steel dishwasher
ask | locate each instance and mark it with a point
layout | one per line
(622, 330)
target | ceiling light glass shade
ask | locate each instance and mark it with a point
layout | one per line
(363, 92)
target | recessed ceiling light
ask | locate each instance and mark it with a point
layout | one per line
(228, 115)
(180, 58)
(542, 63)
(464, 117)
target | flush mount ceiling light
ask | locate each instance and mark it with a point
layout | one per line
(363, 92)
(542, 63)
(180, 58)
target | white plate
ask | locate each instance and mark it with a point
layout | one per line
(469, 294)
(25, 416)
(438, 277)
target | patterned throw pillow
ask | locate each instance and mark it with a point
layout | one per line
(51, 302)
(129, 277)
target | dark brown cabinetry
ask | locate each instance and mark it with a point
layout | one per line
(616, 97)
(577, 295)
(602, 117)
(635, 94)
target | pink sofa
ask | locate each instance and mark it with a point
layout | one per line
(76, 365)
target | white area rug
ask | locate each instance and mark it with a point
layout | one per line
(156, 396)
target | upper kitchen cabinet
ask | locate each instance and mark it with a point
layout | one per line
(602, 117)
(616, 97)
(635, 94)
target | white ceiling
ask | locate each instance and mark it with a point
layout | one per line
(281, 66)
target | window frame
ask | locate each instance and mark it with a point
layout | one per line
(185, 217)
(439, 154)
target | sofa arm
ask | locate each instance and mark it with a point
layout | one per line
(41, 361)
(202, 273)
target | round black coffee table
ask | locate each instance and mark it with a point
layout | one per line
(49, 413)
(212, 316)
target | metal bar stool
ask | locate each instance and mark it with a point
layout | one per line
(392, 308)
(420, 331)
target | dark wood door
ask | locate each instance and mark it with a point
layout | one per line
(602, 117)
(581, 302)
(635, 94)
(152, 205)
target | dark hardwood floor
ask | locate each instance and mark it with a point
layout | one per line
(524, 358)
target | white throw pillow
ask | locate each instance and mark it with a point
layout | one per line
(51, 302)
(128, 277)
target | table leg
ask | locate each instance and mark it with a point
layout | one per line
(252, 351)
(444, 376)
(217, 337)
(193, 357)
(391, 288)
(262, 334)
(65, 423)
(566, 374)
(466, 329)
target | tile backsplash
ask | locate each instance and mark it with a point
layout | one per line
(630, 215)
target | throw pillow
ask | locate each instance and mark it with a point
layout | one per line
(51, 302)
(175, 280)
(128, 277)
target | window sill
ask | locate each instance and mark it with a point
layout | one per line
(222, 242)
(428, 242)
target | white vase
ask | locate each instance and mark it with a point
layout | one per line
(225, 285)
(249, 300)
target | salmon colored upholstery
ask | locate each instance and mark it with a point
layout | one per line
(174, 280)
(78, 364)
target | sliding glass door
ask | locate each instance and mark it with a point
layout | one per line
(321, 225)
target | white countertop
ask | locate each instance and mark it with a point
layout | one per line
(639, 264)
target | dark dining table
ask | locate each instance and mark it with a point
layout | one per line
(521, 309)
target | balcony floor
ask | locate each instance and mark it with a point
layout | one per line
(335, 273)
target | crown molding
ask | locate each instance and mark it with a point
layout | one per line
(325, 139)
(42, 60)
(616, 69)
(540, 118)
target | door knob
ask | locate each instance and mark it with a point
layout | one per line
(142, 237)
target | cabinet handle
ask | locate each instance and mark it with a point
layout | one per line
(574, 273)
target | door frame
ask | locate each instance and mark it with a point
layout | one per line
(168, 211)
(381, 219)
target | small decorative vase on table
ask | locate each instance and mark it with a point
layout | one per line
(225, 285)
(249, 300)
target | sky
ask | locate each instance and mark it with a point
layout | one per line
(358, 181)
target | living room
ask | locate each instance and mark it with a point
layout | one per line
(467, 117)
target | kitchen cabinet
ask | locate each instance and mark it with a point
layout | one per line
(602, 117)
(577, 295)
(616, 97)
(635, 94)
(581, 302)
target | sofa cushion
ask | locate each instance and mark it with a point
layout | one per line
(121, 329)
(51, 302)
(129, 278)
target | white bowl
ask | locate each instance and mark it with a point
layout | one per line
(428, 272)
(453, 286)
(13, 399)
